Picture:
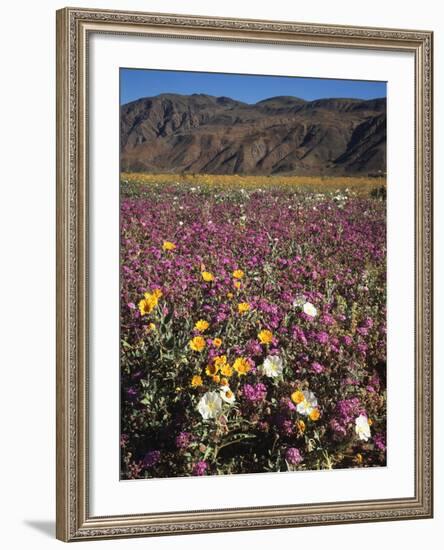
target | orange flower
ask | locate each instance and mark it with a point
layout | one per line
(300, 425)
(196, 381)
(217, 342)
(314, 415)
(297, 397)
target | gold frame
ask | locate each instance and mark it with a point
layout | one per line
(73, 28)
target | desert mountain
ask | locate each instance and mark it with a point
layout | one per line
(280, 135)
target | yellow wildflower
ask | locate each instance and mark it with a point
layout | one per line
(237, 284)
(207, 276)
(150, 327)
(243, 307)
(149, 301)
(216, 378)
(297, 397)
(196, 381)
(314, 415)
(238, 274)
(230, 295)
(220, 361)
(201, 325)
(241, 366)
(358, 458)
(224, 381)
(197, 343)
(265, 336)
(300, 425)
(168, 245)
(226, 370)
(211, 370)
(217, 342)
(146, 305)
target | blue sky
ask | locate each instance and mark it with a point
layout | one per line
(137, 83)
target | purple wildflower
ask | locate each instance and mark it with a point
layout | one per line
(322, 337)
(151, 459)
(293, 456)
(317, 367)
(287, 404)
(254, 348)
(254, 392)
(347, 340)
(368, 322)
(299, 335)
(131, 393)
(200, 468)
(183, 440)
(379, 441)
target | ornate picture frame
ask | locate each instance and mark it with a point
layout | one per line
(74, 210)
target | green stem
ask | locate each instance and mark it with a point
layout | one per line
(232, 442)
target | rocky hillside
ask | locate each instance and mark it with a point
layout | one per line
(285, 135)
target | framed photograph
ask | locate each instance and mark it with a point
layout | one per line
(244, 274)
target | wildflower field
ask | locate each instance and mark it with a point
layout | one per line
(253, 325)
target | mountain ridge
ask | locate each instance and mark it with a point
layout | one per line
(278, 135)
